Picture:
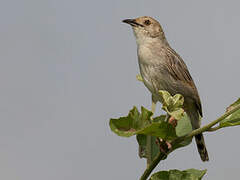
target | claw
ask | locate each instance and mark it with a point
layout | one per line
(164, 146)
(169, 145)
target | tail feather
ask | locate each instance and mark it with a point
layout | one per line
(195, 121)
(201, 147)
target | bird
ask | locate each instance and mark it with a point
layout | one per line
(161, 68)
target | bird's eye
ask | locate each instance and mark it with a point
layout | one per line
(147, 22)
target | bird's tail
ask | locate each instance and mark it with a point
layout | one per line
(201, 147)
(195, 121)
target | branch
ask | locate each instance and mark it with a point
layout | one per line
(214, 129)
(151, 166)
(207, 127)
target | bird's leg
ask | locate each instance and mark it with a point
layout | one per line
(160, 142)
(153, 108)
(164, 146)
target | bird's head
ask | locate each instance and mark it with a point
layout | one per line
(145, 29)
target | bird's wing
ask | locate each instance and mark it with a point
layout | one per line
(178, 71)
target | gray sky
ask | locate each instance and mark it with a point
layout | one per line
(68, 66)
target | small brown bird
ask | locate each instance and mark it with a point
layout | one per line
(163, 69)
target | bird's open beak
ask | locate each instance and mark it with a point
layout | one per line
(132, 22)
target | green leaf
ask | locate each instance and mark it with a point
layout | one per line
(228, 123)
(140, 123)
(142, 141)
(184, 126)
(139, 77)
(182, 144)
(127, 126)
(233, 119)
(159, 118)
(190, 174)
(172, 104)
(164, 130)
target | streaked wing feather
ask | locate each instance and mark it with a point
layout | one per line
(178, 70)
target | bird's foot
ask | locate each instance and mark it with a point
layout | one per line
(172, 121)
(168, 145)
(164, 146)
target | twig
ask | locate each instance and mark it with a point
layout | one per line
(214, 129)
(208, 126)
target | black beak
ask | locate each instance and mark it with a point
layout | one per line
(132, 22)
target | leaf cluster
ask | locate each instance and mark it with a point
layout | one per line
(154, 133)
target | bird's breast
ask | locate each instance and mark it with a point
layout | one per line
(145, 55)
(153, 78)
(152, 70)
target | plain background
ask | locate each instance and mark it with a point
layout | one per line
(67, 67)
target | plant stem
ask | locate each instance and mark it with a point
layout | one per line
(214, 129)
(207, 127)
(151, 166)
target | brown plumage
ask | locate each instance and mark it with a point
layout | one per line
(163, 69)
